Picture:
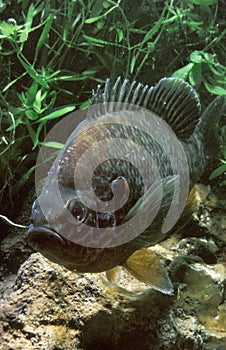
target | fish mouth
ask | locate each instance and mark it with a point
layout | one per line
(37, 235)
(46, 230)
(45, 240)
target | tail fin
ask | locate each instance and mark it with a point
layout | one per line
(212, 120)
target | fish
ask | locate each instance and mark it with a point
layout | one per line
(145, 123)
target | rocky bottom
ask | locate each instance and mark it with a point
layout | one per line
(44, 306)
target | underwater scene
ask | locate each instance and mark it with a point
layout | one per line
(113, 175)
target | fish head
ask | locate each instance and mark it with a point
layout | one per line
(44, 238)
(55, 237)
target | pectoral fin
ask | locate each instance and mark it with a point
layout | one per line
(147, 267)
(152, 198)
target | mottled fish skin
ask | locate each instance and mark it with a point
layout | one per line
(181, 110)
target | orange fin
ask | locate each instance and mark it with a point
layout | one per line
(147, 268)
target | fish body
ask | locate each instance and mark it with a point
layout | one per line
(178, 106)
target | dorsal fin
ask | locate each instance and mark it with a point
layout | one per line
(172, 99)
(178, 104)
(122, 92)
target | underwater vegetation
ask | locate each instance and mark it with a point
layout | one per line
(53, 53)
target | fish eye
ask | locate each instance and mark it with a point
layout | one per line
(77, 209)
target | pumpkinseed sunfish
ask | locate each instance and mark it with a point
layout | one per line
(172, 160)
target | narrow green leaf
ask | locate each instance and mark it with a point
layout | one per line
(28, 173)
(36, 138)
(96, 18)
(13, 82)
(31, 132)
(220, 73)
(30, 15)
(92, 20)
(32, 91)
(28, 24)
(213, 80)
(32, 72)
(214, 89)
(132, 64)
(203, 2)
(70, 78)
(95, 40)
(58, 113)
(195, 75)
(50, 77)
(85, 104)
(89, 72)
(120, 34)
(37, 104)
(137, 31)
(53, 144)
(44, 34)
(152, 31)
(217, 172)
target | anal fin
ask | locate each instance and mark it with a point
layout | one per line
(146, 266)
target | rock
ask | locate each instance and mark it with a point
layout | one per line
(14, 251)
(52, 308)
(44, 306)
(13, 248)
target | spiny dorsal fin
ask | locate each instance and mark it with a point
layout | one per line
(147, 268)
(121, 96)
(172, 99)
(122, 92)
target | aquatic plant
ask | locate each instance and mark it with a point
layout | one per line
(53, 53)
(204, 68)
